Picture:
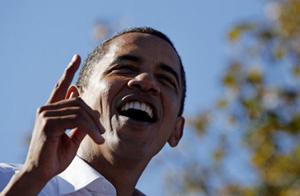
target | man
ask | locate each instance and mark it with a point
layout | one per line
(126, 105)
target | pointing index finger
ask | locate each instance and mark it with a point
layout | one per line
(61, 87)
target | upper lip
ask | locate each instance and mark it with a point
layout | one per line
(140, 98)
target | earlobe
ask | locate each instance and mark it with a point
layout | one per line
(72, 92)
(177, 132)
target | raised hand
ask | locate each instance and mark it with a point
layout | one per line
(51, 149)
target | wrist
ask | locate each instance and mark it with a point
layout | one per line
(27, 181)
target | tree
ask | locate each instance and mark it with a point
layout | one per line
(256, 123)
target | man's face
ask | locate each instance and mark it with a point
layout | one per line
(137, 88)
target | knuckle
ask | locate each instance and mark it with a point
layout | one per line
(40, 110)
(78, 101)
(43, 114)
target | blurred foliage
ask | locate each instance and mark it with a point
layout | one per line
(260, 107)
(102, 30)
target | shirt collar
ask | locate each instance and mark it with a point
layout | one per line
(79, 175)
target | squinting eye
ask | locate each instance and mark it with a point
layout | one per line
(167, 80)
(124, 69)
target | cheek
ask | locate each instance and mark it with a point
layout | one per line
(171, 103)
(93, 95)
(100, 97)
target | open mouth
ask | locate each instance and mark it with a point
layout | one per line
(138, 111)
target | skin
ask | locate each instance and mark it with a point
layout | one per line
(138, 67)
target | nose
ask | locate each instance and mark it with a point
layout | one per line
(144, 82)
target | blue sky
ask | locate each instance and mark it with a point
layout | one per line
(38, 38)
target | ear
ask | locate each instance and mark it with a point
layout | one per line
(177, 132)
(72, 92)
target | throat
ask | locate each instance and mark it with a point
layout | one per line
(123, 174)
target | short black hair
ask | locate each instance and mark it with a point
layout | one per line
(96, 55)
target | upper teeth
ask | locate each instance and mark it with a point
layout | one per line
(138, 106)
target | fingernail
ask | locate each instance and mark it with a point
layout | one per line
(71, 63)
(74, 57)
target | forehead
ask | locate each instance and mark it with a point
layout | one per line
(150, 48)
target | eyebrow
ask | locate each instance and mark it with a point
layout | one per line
(128, 58)
(170, 70)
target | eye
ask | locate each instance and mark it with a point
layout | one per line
(124, 69)
(166, 80)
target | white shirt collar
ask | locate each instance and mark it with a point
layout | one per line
(80, 175)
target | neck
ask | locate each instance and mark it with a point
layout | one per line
(122, 172)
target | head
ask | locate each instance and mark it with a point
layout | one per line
(137, 83)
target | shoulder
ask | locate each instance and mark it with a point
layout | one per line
(6, 173)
